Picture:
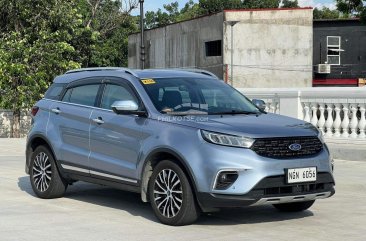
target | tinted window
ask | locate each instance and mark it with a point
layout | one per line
(216, 98)
(114, 93)
(184, 93)
(209, 96)
(54, 91)
(83, 95)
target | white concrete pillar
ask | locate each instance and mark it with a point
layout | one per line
(290, 104)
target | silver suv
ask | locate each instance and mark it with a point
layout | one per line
(185, 140)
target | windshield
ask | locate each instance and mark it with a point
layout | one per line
(196, 96)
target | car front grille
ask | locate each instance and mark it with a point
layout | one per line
(280, 147)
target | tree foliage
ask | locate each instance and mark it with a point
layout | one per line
(290, 4)
(213, 6)
(326, 13)
(42, 39)
(34, 47)
(363, 16)
(261, 3)
(108, 23)
(172, 14)
(350, 7)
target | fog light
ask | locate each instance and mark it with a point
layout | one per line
(225, 179)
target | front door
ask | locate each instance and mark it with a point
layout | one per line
(115, 139)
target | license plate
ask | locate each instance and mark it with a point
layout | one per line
(299, 175)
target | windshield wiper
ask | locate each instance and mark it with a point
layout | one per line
(183, 113)
(234, 112)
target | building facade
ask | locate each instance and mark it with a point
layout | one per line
(246, 48)
(339, 52)
(181, 45)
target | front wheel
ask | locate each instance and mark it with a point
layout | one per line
(171, 195)
(294, 207)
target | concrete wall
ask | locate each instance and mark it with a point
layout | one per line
(179, 45)
(6, 120)
(272, 48)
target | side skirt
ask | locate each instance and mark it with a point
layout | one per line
(94, 180)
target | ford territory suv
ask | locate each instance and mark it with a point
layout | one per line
(183, 139)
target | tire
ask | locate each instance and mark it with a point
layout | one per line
(171, 195)
(44, 175)
(294, 207)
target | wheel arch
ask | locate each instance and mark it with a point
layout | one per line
(36, 141)
(153, 159)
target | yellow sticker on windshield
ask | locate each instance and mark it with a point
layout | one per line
(148, 81)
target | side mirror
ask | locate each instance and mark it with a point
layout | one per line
(260, 104)
(126, 107)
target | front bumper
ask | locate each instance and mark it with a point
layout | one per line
(272, 190)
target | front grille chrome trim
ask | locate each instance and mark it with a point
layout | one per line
(279, 147)
(290, 199)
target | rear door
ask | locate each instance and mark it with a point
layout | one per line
(115, 139)
(70, 123)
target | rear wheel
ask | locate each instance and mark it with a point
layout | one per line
(294, 207)
(44, 176)
(171, 195)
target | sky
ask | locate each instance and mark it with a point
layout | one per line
(153, 5)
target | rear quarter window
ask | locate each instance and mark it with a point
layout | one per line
(82, 95)
(54, 91)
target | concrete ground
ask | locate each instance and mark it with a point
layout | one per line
(91, 212)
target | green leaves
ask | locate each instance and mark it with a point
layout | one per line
(290, 4)
(345, 9)
(325, 13)
(42, 39)
(349, 7)
(34, 47)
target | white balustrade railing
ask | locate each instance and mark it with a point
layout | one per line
(339, 112)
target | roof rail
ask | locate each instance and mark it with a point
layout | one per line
(199, 71)
(126, 70)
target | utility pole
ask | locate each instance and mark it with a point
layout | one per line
(142, 57)
(232, 23)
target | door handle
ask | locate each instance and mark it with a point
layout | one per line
(56, 110)
(98, 120)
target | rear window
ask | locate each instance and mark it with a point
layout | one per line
(54, 91)
(83, 95)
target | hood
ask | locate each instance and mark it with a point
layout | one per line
(255, 126)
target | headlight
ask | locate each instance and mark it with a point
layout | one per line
(227, 140)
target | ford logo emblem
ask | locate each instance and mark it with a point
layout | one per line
(295, 147)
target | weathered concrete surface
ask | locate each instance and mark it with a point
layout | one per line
(272, 48)
(6, 117)
(91, 212)
(180, 45)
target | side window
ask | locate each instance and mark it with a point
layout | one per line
(54, 91)
(114, 93)
(83, 95)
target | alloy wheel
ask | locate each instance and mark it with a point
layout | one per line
(42, 172)
(168, 193)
